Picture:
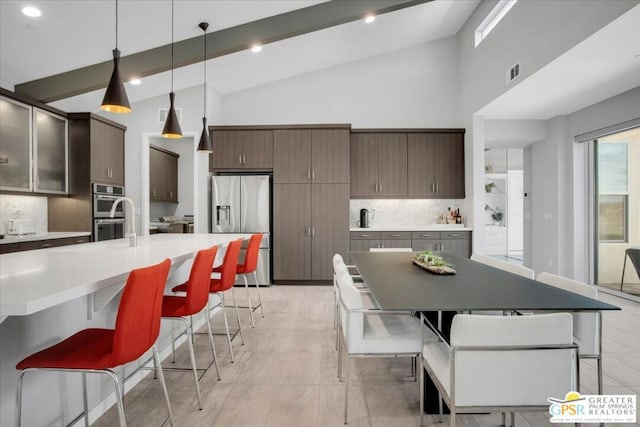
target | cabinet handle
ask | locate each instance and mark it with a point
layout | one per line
(313, 232)
(454, 235)
(425, 235)
(396, 235)
(313, 174)
(308, 175)
(380, 186)
(437, 189)
(240, 159)
(81, 241)
(244, 159)
(46, 245)
(171, 194)
(364, 235)
(308, 231)
(377, 191)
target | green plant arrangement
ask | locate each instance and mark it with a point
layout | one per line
(488, 187)
(497, 215)
(432, 262)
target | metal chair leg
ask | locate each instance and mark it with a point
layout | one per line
(235, 305)
(513, 419)
(421, 376)
(192, 356)
(119, 396)
(504, 419)
(173, 345)
(255, 277)
(339, 355)
(623, 268)
(19, 398)
(85, 403)
(246, 286)
(164, 385)
(346, 389)
(226, 325)
(213, 347)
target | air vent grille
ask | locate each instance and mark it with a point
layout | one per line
(513, 72)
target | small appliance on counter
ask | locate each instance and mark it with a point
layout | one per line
(364, 218)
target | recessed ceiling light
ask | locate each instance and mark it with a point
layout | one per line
(256, 48)
(369, 19)
(135, 81)
(31, 11)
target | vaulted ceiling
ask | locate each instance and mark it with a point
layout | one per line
(73, 36)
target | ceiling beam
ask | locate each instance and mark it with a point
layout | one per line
(219, 43)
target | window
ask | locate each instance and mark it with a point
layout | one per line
(495, 16)
(613, 190)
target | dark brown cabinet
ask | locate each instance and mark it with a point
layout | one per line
(453, 242)
(241, 149)
(107, 153)
(311, 224)
(163, 175)
(42, 244)
(436, 165)
(378, 164)
(311, 155)
(412, 163)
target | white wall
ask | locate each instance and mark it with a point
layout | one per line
(413, 87)
(142, 122)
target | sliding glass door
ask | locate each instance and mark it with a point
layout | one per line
(617, 211)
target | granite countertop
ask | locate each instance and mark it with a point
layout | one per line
(46, 236)
(432, 227)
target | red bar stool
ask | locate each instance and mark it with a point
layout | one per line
(184, 307)
(101, 350)
(250, 265)
(218, 286)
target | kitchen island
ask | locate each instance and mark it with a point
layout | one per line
(49, 294)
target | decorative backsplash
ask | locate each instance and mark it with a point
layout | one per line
(23, 207)
(404, 212)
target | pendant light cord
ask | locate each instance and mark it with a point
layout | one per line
(116, 24)
(204, 98)
(172, 15)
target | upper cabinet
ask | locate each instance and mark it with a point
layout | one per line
(436, 165)
(98, 143)
(163, 175)
(241, 149)
(33, 154)
(378, 165)
(319, 156)
(15, 150)
(50, 152)
(412, 163)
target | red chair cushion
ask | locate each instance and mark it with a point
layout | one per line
(87, 349)
(175, 306)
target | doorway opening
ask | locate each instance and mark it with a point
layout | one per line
(616, 211)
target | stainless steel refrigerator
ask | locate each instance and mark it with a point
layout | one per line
(242, 204)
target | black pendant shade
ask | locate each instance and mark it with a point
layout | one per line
(115, 97)
(171, 125)
(205, 143)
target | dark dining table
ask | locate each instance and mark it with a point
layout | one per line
(398, 284)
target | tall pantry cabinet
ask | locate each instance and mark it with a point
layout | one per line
(311, 201)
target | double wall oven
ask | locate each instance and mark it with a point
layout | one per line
(105, 227)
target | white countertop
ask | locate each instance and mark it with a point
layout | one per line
(432, 227)
(46, 236)
(36, 280)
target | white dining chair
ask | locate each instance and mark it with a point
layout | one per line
(503, 265)
(372, 332)
(587, 327)
(502, 363)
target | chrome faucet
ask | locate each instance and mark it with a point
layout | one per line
(131, 222)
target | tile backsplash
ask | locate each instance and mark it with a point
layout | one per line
(23, 207)
(404, 212)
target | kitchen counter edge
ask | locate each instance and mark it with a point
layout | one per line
(412, 228)
(47, 236)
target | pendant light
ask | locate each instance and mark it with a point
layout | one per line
(172, 126)
(205, 143)
(115, 98)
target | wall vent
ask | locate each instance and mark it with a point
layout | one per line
(162, 114)
(513, 72)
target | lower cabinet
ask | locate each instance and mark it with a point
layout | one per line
(311, 224)
(453, 242)
(42, 244)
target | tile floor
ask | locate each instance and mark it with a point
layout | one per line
(285, 375)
